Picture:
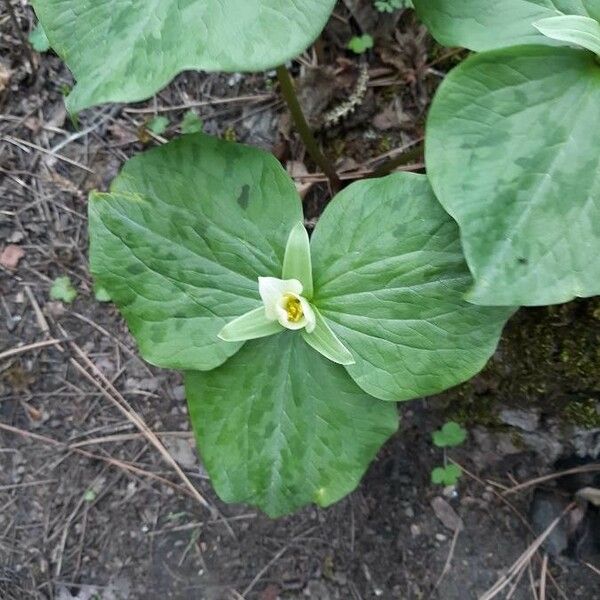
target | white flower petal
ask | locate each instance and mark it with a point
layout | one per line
(272, 290)
(310, 320)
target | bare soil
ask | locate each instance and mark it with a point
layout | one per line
(90, 510)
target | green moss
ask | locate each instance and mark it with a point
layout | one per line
(582, 413)
(469, 410)
(548, 358)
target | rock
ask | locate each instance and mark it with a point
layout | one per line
(546, 444)
(182, 451)
(10, 256)
(545, 507)
(446, 514)
(586, 442)
(590, 494)
(317, 590)
(527, 420)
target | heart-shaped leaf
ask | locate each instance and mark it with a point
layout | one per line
(280, 426)
(490, 24)
(127, 51)
(182, 240)
(450, 435)
(389, 275)
(512, 154)
(448, 475)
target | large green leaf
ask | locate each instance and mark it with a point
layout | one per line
(489, 24)
(389, 275)
(127, 50)
(180, 242)
(512, 154)
(279, 426)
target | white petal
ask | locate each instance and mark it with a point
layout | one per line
(310, 320)
(271, 291)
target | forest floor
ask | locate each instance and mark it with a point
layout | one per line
(90, 510)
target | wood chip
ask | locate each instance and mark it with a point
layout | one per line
(446, 514)
(11, 255)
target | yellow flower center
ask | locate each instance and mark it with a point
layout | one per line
(293, 307)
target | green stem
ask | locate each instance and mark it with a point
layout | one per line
(291, 99)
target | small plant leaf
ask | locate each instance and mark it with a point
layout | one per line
(360, 44)
(448, 475)
(450, 435)
(158, 125)
(191, 123)
(280, 426)
(89, 495)
(38, 39)
(297, 261)
(488, 24)
(324, 341)
(101, 294)
(252, 325)
(580, 31)
(62, 289)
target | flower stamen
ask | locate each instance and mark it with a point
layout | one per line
(293, 308)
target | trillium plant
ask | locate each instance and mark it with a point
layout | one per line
(295, 348)
(294, 351)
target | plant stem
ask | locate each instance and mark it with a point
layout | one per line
(291, 99)
(403, 159)
(26, 46)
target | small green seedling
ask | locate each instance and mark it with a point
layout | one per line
(389, 6)
(89, 495)
(449, 436)
(101, 294)
(360, 44)
(62, 289)
(191, 123)
(157, 125)
(448, 475)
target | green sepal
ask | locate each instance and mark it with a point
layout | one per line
(250, 326)
(573, 29)
(324, 341)
(297, 262)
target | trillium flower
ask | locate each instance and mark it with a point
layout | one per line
(286, 305)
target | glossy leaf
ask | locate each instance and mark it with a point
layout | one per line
(576, 30)
(180, 242)
(512, 154)
(279, 426)
(393, 294)
(490, 24)
(127, 51)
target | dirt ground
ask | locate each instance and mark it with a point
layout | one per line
(88, 507)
